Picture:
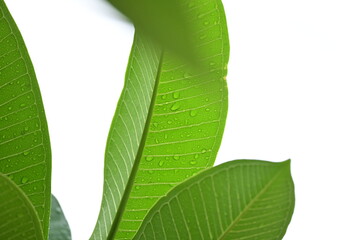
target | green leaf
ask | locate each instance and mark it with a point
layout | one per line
(59, 227)
(168, 124)
(18, 219)
(171, 23)
(242, 199)
(24, 141)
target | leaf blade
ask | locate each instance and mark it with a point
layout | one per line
(164, 22)
(18, 217)
(242, 199)
(59, 227)
(187, 104)
(24, 147)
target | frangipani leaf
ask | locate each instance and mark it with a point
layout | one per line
(59, 227)
(24, 141)
(18, 219)
(168, 23)
(242, 199)
(168, 124)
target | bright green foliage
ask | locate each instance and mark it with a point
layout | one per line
(59, 227)
(165, 22)
(18, 219)
(24, 140)
(168, 124)
(242, 199)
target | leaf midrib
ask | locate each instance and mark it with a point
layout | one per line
(251, 203)
(129, 185)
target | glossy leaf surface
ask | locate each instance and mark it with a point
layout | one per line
(242, 199)
(59, 227)
(24, 140)
(18, 219)
(168, 124)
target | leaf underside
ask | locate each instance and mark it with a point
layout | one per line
(168, 124)
(59, 227)
(18, 219)
(24, 140)
(242, 199)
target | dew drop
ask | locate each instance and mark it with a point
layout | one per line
(149, 159)
(9, 108)
(202, 36)
(196, 156)
(176, 157)
(203, 151)
(193, 162)
(187, 75)
(24, 180)
(137, 187)
(206, 99)
(175, 106)
(155, 124)
(176, 95)
(206, 23)
(169, 122)
(207, 109)
(161, 163)
(22, 105)
(26, 153)
(212, 63)
(193, 113)
(151, 171)
(163, 97)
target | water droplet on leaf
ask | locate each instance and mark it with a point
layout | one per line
(24, 180)
(176, 95)
(175, 106)
(193, 113)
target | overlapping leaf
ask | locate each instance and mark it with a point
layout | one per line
(168, 124)
(165, 22)
(24, 140)
(242, 199)
(59, 227)
(18, 219)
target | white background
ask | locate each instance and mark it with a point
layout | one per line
(294, 89)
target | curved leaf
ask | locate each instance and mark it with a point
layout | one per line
(24, 141)
(168, 124)
(59, 227)
(165, 22)
(242, 199)
(18, 219)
